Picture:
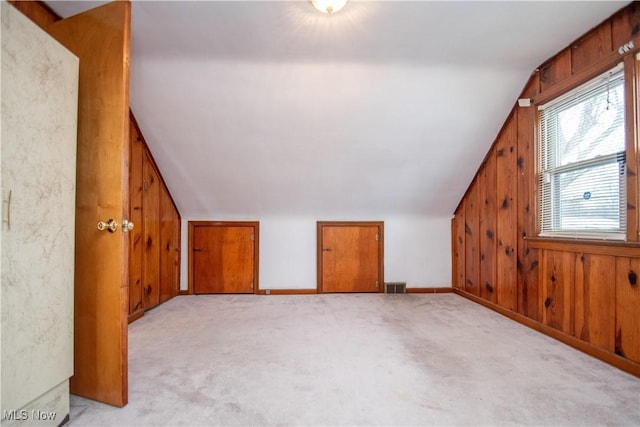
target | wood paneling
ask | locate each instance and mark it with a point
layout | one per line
(591, 48)
(625, 25)
(557, 285)
(151, 225)
(627, 301)
(556, 70)
(594, 302)
(576, 290)
(155, 241)
(488, 218)
(528, 303)
(507, 219)
(472, 241)
(532, 88)
(177, 243)
(350, 256)
(136, 241)
(100, 38)
(168, 284)
(459, 248)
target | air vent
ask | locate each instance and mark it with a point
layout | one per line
(395, 288)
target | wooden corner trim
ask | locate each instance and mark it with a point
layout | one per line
(135, 316)
(287, 292)
(429, 290)
(613, 359)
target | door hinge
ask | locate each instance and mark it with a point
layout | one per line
(251, 285)
(377, 237)
(253, 237)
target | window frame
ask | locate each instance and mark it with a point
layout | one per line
(621, 158)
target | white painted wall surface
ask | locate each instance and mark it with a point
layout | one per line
(417, 251)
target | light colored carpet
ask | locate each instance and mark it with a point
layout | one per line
(364, 359)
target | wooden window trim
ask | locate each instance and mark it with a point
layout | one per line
(596, 247)
(632, 113)
(631, 74)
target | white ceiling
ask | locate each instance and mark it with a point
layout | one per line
(269, 108)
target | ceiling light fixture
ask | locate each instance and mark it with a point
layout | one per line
(328, 6)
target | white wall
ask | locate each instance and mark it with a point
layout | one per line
(417, 251)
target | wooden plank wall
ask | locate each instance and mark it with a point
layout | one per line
(154, 266)
(587, 291)
(136, 242)
(155, 240)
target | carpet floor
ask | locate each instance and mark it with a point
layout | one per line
(355, 359)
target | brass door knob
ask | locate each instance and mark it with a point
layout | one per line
(127, 225)
(111, 225)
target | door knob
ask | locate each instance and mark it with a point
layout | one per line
(127, 225)
(110, 225)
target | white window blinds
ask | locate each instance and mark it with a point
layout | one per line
(582, 161)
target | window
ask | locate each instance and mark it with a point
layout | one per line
(582, 161)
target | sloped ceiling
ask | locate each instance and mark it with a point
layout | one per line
(270, 108)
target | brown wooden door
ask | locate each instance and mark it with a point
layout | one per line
(350, 257)
(100, 38)
(151, 233)
(224, 257)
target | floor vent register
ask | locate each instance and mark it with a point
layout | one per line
(395, 288)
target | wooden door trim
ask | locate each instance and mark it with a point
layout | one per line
(256, 249)
(321, 224)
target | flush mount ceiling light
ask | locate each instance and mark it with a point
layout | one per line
(328, 6)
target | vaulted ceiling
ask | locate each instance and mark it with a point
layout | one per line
(270, 108)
